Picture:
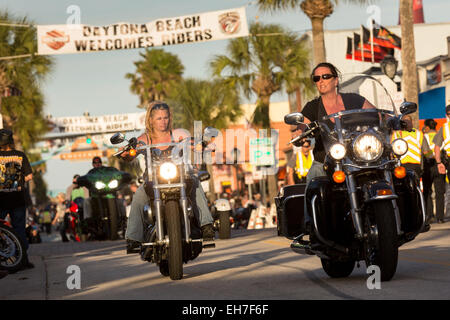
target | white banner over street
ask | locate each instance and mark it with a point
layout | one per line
(97, 124)
(201, 27)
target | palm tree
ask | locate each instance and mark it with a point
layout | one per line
(213, 103)
(264, 63)
(23, 114)
(409, 78)
(155, 75)
(317, 11)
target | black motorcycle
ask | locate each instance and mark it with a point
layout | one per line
(367, 205)
(108, 214)
(172, 232)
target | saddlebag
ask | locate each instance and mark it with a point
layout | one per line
(290, 205)
(409, 203)
(331, 210)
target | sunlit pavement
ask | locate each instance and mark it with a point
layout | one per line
(253, 264)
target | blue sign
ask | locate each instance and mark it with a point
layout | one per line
(432, 104)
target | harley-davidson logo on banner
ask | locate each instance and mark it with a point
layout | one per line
(55, 39)
(209, 26)
(230, 22)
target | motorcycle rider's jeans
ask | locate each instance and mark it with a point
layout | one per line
(136, 222)
(316, 170)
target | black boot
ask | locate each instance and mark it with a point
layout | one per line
(208, 232)
(133, 246)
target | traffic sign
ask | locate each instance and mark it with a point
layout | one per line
(262, 152)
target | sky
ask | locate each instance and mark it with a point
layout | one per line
(95, 82)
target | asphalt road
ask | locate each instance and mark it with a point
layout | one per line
(252, 265)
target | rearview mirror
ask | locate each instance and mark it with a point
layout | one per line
(210, 132)
(117, 138)
(408, 108)
(203, 175)
(295, 118)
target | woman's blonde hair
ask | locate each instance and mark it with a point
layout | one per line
(152, 106)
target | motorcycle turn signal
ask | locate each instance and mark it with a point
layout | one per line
(339, 176)
(400, 172)
(132, 152)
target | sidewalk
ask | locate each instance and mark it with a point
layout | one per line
(33, 284)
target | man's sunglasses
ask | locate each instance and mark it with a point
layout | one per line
(326, 76)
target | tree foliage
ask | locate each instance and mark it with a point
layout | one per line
(270, 60)
(23, 114)
(212, 102)
(155, 75)
(317, 11)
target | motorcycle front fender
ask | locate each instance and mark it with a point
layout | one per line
(378, 190)
(411, 203)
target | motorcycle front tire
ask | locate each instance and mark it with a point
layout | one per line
(175, 250)
(387, 254)
(224, 225)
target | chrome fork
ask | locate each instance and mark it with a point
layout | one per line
(354, 208)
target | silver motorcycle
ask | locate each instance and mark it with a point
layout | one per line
(172, 232)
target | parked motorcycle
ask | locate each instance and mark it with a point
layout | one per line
(12, 250)
(368, 204)
(222, 214)
(108, 217)
(172, 233)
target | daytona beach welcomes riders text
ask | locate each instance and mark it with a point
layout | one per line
(58, 39)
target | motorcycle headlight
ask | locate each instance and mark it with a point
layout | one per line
(368, 147)
(399, 147)
(337, 151)
(113, 184)
(168, 171)
(99, 185)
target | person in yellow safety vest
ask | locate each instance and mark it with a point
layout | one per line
(412, 160)
(291, 168)
(304, 161)
(442, 142)
(431, 175)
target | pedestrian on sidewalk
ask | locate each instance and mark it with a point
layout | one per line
(62, 216)
(15, 172)
(431, 176)
(442, 152)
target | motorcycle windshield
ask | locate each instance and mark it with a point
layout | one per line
(378, 108)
